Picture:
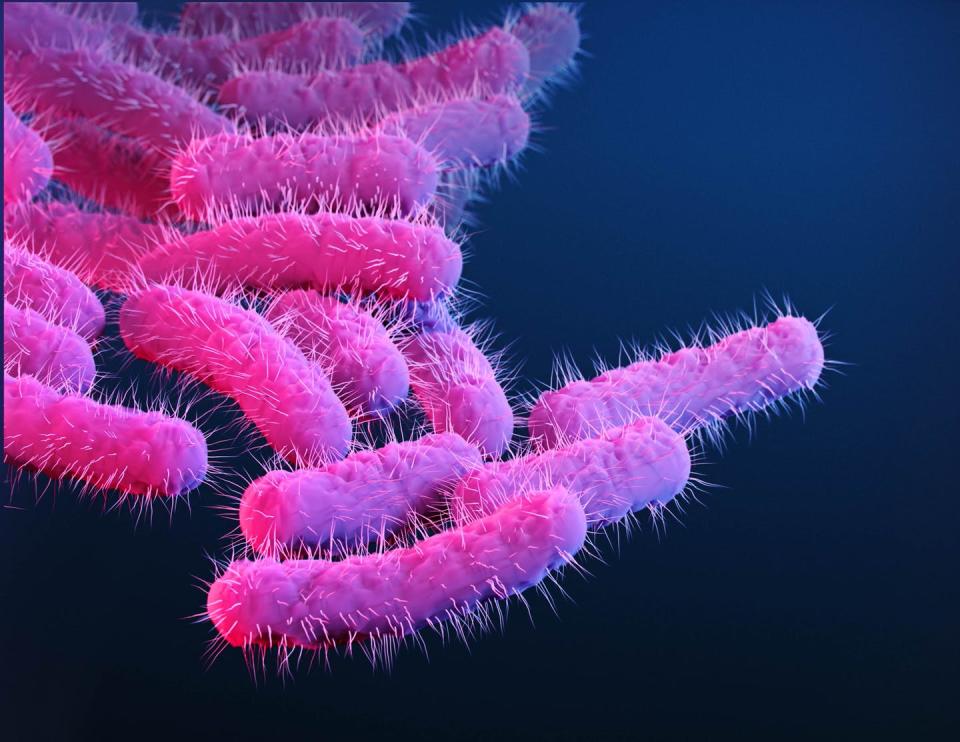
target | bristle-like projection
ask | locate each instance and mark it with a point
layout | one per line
(322, 604)
(198, 63)
(27, 162)
(242, 20)
(103, 12)
(642, 465)
(55, 354)
(121, 98)
(237, 353)
(60, 297)
(457, 385)
(231, 172)
(324, 251)
(350, 343)
(31, 26)
(101, 249)
(745, 371)
(351, 503)
(490, 64)
(103, 446)
(312, 45)
(465, 132)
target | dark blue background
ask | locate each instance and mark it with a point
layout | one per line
(709, 151)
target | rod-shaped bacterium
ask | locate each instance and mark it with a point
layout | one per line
(348, 504)
(743, 372)
(239, 354)
(103, 446)
(320, 604)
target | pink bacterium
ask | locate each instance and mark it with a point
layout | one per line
(465, 132)
(27, 162)
(350, 343)
(245, 19)
(457, 386)
(320, 604)
(551, 34)
(348, 504)
(744, 372)
(319, 43)
(100, 248)
(56, 294)
(103, 446)
(55, 354)
(239, 354)
(121, 98)
(230, 173)
(492, 63)
(645, 464)
(324, 251)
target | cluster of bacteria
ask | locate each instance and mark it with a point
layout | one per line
(267, 204)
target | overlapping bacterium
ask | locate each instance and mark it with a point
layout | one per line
(353, 345)
(239, 354)
(295, 247)
(325, 251)
(56, 294)
(492, 63)
(350, 503)
(233, 172)
(27, 163)
(321, 604)
(205, 63)
(743, 372)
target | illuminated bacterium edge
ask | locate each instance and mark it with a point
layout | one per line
(465, 132)
(457, 386)
(551, 34)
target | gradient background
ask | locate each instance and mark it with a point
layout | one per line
(709, 151)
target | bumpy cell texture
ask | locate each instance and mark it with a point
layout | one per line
(319, 604)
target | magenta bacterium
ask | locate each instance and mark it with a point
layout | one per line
(362, 499)
(321, 604)
(56, 294)
(27, 163)
(495, 62)
(324, 251)
(351, 343)
(102, 446)
(268, 201)
(229, 173)
(743, 372)
(238, 353)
